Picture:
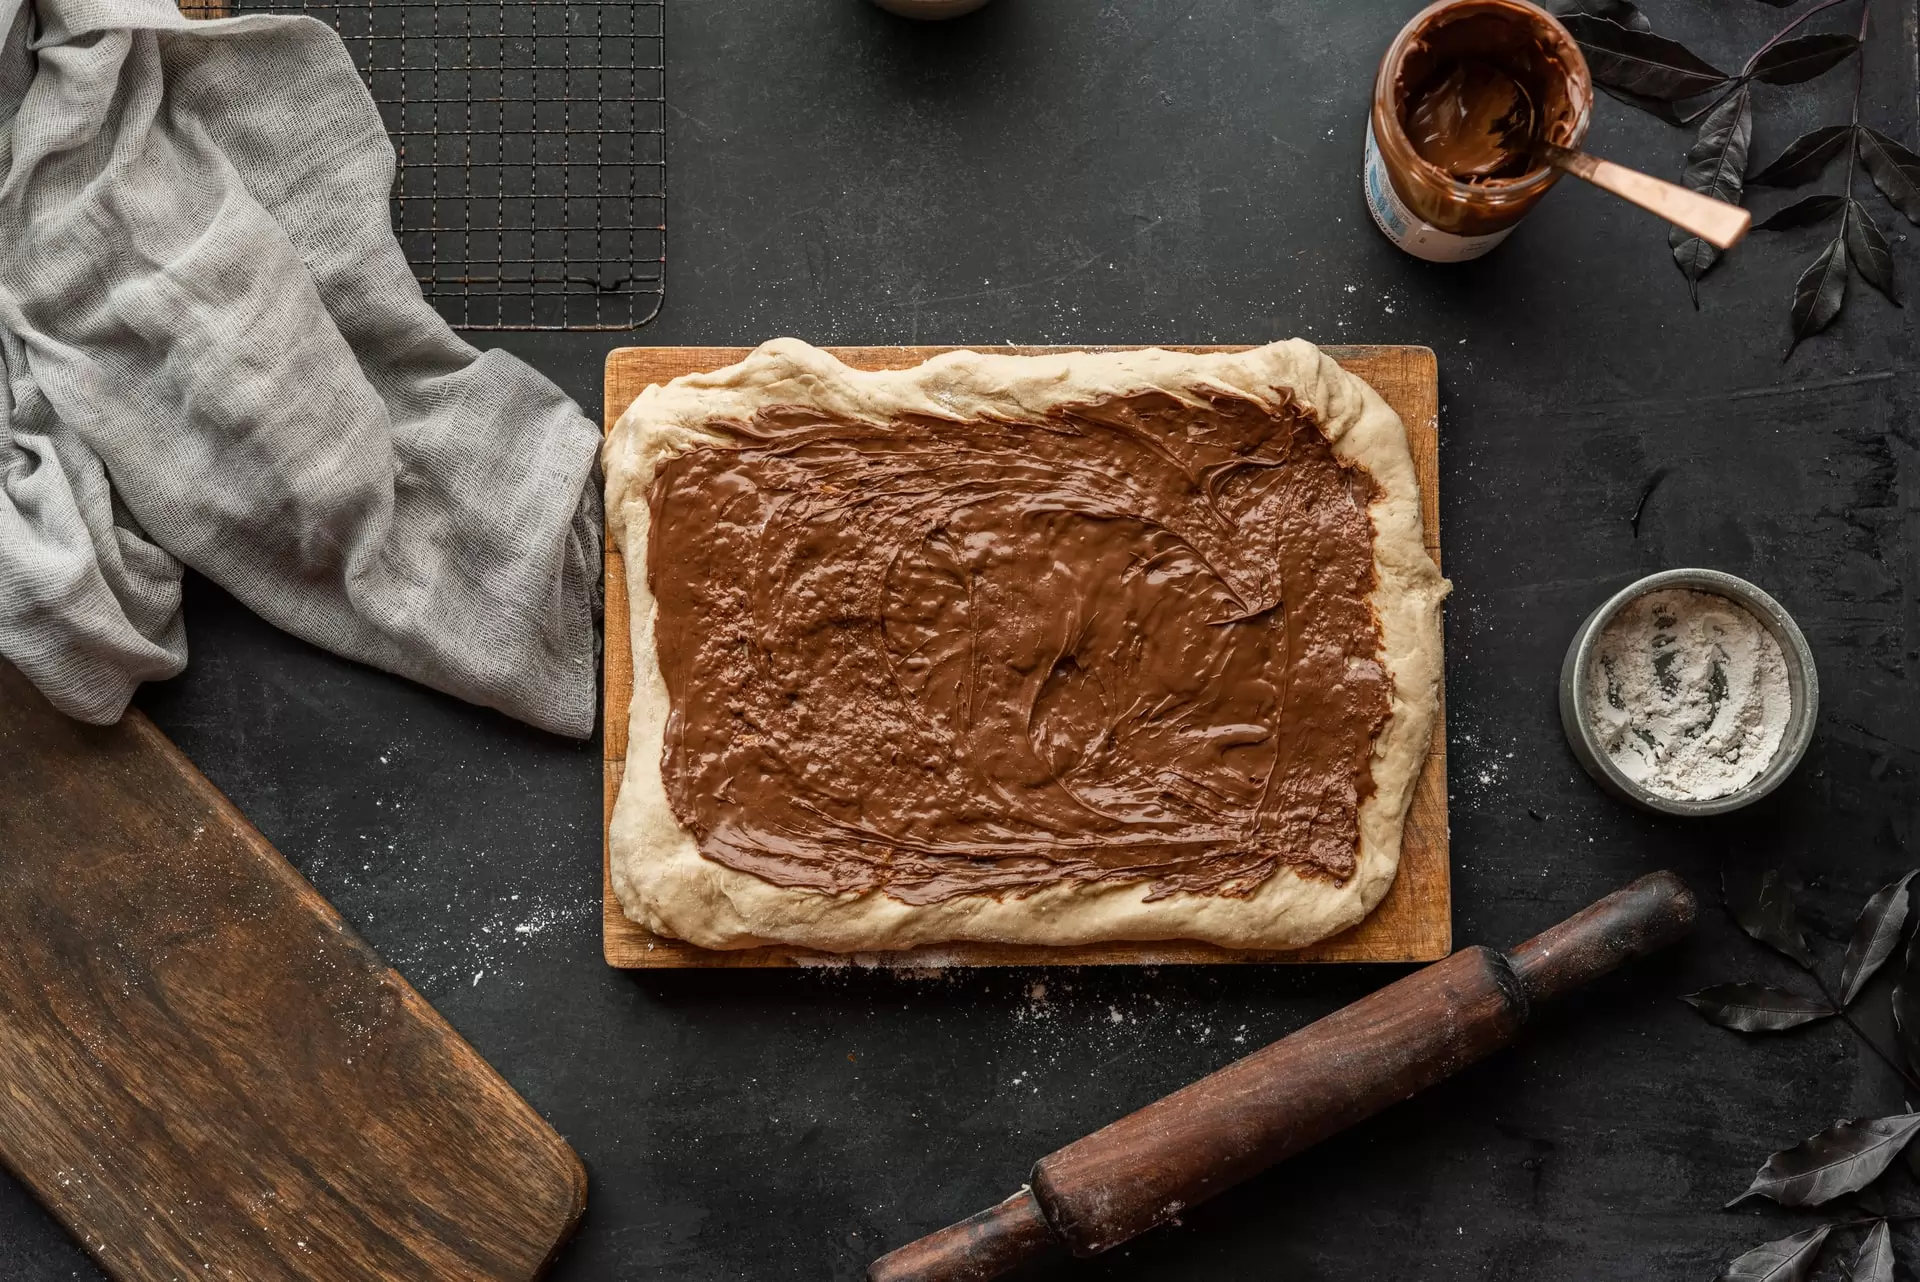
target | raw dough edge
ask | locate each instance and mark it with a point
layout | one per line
(667, 886)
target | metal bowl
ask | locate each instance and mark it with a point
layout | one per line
(1803, 684)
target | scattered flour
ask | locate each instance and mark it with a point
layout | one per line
(1689, 694)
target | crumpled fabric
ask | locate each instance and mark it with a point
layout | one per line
(216, 356)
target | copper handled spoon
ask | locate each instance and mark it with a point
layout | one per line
(1477, 122)
(1715, 221)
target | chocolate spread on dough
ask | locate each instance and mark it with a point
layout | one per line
(1128, 642)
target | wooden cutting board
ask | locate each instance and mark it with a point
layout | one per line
(204, 1073)
(1414, 923)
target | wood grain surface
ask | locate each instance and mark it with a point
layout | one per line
(1413, 923)
(204, 1073)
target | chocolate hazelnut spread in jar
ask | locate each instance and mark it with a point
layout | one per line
(1464, 90)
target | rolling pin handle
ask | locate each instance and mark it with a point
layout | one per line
(1631, 922)
(977, 1248)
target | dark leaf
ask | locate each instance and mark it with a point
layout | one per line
(1641, 62)
(1756, 1008)
(1652, 106)
(1620, 12)
(1804, 157)
(1877, 932)
(1803, 58)
(1801, 213)
(1818, 294)
(1844, 1158)
(1867, 248)
(1761, 901)
(1694, 257)
(1788, 1260)
(1906, 1006)
(1875, 1261)
(1895, 171)
(1716, 165)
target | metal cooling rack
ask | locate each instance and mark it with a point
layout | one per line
(531, 134)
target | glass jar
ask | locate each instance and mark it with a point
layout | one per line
(1421, 207)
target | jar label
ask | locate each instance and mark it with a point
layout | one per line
(1407, 229)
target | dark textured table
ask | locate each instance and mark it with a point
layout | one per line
(1059, 171)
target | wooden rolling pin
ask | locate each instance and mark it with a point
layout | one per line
(1149, 1166)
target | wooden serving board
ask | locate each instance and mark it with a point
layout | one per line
(1414, 923)
(204, 1073)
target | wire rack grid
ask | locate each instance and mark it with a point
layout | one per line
(531, 137)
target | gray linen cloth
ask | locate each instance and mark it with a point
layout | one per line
(217, 356)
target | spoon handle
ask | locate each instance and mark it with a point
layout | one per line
(1714, 221)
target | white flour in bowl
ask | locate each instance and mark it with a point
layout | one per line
(1688, 694)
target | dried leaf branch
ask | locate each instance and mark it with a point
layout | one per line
(1761, 902)
(1858, 242)
(1848, 1156)
(1633, 63)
